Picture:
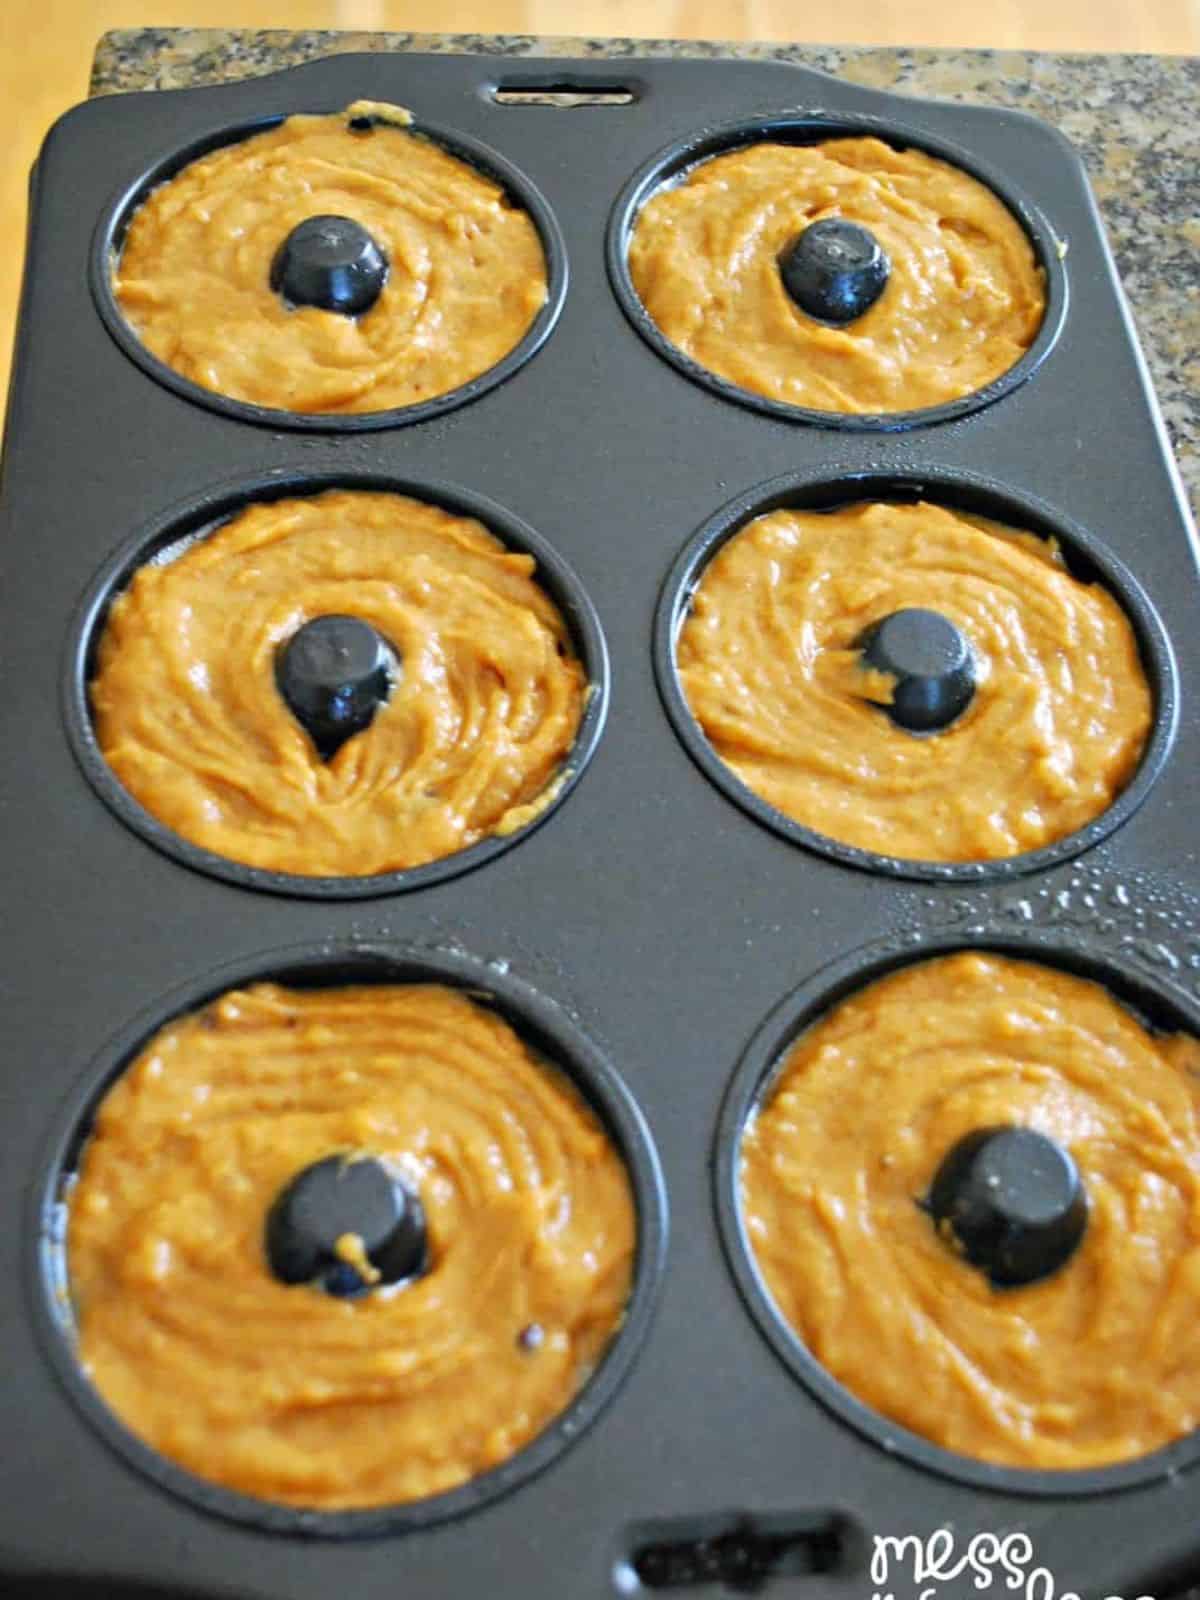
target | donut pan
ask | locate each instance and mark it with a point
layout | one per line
(656, 931)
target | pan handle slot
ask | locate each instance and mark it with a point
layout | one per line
(736, 1554)
(561, 96)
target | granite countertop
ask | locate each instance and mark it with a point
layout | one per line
(1133, 118)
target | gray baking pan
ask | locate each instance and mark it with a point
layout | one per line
(657, 932)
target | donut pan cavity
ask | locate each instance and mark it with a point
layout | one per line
(179, 527)
(671, 166)
(114, 223)
(549, 1032)
(1086, 560)
(1155, 1007)
(663, 920)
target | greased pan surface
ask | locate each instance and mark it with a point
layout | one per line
(666, 921)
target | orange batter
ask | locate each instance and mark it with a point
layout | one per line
(467, 271)
(287, 1393)
(470, 743)
(964, 301)
(768, 663)
(1098, 1363)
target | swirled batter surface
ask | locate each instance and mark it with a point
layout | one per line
(1096, 1364)
(470, 743)
(467, 272)
(768, 662)
(964, 300)
(287, 1393)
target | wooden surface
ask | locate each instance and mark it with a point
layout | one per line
(46, 45)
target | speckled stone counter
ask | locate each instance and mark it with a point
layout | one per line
(1133, 117)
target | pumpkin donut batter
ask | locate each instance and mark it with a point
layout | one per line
(963, 303)
(767, 660)
(1096, 1364)
(470, 743)
(467, 271)
(287, 1393)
